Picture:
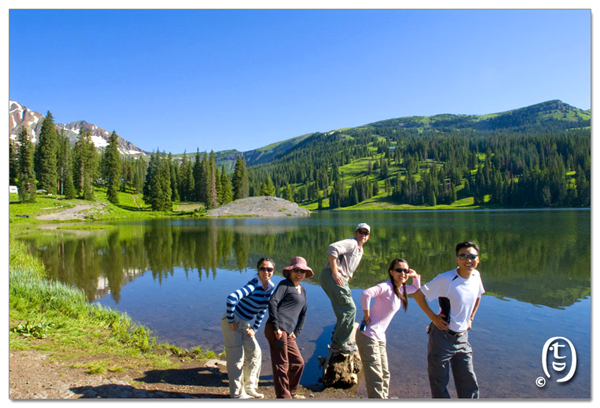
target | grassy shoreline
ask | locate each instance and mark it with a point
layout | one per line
(57, 319)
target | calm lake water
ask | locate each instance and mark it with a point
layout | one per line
(174, 276)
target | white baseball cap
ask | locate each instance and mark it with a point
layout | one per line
(363, 225)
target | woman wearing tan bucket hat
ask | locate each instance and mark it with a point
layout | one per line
(287, 313)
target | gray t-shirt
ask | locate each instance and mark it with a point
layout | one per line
(348, 254)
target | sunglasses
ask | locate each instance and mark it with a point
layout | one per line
(297, 270)
(363, 232)
(265, 269)
(468, 256)
(401, 270)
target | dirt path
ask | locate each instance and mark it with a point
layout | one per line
(79, 212)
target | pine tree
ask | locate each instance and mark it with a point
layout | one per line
(45, 156)
(226, 193)
(113, 168)
(85, 162)
(13, 163)
(65, 167)
(211, 170)
(157, 189)
(26, 173)
(267, 188)
(240, 180)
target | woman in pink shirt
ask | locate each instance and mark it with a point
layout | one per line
(389, 297)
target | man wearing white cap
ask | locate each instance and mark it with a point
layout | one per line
(344, 258)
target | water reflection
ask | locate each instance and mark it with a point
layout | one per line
(538, 257)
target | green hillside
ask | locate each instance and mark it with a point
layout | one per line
(538, 156)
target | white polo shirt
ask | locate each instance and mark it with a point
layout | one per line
(462, 293)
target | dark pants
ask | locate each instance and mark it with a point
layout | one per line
(445, 350)
(286, 361)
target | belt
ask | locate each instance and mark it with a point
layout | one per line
(456, 334)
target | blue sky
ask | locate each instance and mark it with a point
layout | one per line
(242, 79)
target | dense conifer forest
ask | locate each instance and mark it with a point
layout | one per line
(539, 156)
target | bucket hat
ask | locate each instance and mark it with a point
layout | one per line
(298, 262)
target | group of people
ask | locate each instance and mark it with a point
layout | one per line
(457, 291)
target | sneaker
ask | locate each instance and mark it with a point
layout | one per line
(255, 394)
(296, 396)
(243, 395)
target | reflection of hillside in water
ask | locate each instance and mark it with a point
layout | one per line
(519, 261)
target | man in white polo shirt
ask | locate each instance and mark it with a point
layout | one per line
(458, 292)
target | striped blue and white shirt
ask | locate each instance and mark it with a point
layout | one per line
(249, 302)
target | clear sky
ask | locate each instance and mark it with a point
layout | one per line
(242, 79)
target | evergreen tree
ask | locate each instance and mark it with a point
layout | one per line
(226, 192)
(211, 170)
(84, 164)
(13, 163)
(26, 173)
(174, 179)
(64, 167)
(240, 179)
(267, 188)
(157, 189)
(45, 156)
(112, 160)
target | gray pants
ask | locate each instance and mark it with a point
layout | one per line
(445, 350)
(343, 307)
(375, 366)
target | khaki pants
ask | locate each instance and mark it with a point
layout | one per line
(244, 357)
(375, 366)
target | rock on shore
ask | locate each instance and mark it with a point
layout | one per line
(260, 207)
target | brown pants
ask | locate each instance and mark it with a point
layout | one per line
(286, 361)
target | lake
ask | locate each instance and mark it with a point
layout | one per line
(173, 275)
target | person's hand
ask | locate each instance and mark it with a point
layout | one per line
(292, 336)
(412, 274)
(337, 278)
(367, 319)
(234, 326)
(278, 334)
(250, 332)
(470, 323)
(440, 322)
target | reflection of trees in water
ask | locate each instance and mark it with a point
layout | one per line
(529, 264)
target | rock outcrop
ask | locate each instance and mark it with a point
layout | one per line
(260, 207)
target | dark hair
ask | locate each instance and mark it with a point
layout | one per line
(265, 259)
(400, 295)
(467, 244)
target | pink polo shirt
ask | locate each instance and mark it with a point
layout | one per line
(385, 306)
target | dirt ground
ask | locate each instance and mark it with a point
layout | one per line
(34, 375)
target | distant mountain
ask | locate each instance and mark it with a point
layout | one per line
(21, 116)
(546, 114)
(554, 114)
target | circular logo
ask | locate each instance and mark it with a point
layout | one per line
(540, 382)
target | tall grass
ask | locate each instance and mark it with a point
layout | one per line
(33, 297)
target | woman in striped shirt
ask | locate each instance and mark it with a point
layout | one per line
(243, 353)
(371, 341)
